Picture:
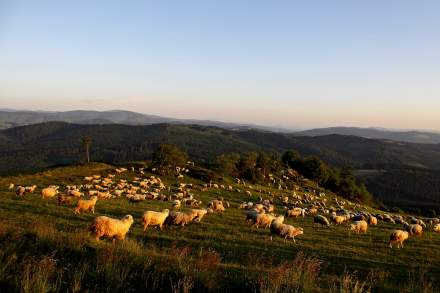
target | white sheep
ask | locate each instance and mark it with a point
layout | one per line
(287, 231)
(20, 190)
(398, 237)
(359, 227)
(152, 218)
(85, 205)
(49, 192)
(112, 228)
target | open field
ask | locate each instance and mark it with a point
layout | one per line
(46, 247)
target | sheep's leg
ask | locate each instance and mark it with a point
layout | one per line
(93, 210)
(293, 238)
(271, 238)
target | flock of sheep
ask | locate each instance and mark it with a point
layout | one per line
(324, 211)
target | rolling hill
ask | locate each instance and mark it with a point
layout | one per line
(38, 146)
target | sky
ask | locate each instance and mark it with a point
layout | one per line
(295, 64)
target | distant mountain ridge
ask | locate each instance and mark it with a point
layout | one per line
(411, 136)
(13, 118)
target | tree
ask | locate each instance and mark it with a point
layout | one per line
(167, 157)
(87, 142)
(247, 166)
(315, 169)
(227, 163)
(291, 158)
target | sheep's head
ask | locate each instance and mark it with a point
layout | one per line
(94, 198)
(299, 231)
(166, 211)
(128, 219)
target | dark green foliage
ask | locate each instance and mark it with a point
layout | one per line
(339, 181)
(167, 157)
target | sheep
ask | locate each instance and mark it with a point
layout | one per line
(112, 228)
(319, 219)
(11, 186)
(283, 230)
(295, 212)
(20, 191)
(337, 219)
(398, 237)
(137, 197)
(372, 220)
(31, 189)
(49, 192)
(216, 205)
(200, 213)
(359, 226)
(181, 218)
(75, 193)
(262, 220)
(84, 205)
(251, 215)
(436, 228)
(413, 229)
(177, 204)
(152, 218)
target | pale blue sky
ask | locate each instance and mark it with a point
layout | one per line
(289, 63)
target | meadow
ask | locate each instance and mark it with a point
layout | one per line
(45, 247)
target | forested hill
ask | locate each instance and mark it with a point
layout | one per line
(53, 143)
(403, 174)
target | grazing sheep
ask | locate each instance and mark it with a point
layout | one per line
(216, 205)
(319, 219)
(313, 211)
(49, 192)
(200, 213)
(251, 215)
(413, 229)
(20, 191)
(11, 186)
(287, 231)
(262, 220)
(177, 204)
(295, 212)
(75, 193)
(372, 220)
(338, 219)
(398, 237)
(112, 228)
(359, 227)
(138, 197)
(31, 189)
(181, 218)
(85, 205)
(152, 218)
(436, 228)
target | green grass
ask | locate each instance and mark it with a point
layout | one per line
(46, 247)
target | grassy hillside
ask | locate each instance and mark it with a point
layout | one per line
(46, 247)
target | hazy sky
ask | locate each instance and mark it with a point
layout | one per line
(289, 63)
